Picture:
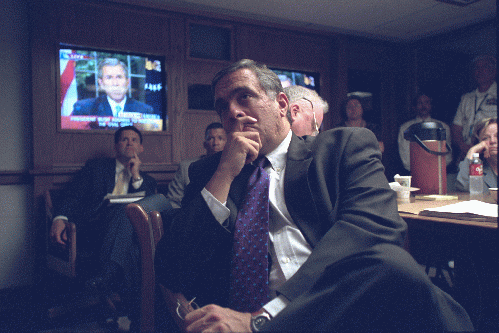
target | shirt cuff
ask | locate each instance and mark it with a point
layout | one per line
(60, 217)
(218, 209)
(137, 184)
(276, 305)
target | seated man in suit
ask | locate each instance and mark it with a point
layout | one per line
(330, 257)
(114, 81)
(105, 232)
(214, 141)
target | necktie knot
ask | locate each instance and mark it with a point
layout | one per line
(261, 162)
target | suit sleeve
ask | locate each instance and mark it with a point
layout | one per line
(149, 184)
(83, 195)
(193, 255)
(177, 186)
(81, 108)
(358, 208)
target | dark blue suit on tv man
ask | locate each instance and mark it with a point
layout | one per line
(114, 81)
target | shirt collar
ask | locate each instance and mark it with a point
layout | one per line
(119, 167)
(491, 91)
(277, 157)
(113, 104)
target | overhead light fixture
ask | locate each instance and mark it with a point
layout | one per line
(461, 3)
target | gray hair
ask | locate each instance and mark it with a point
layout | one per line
(295, 93)
(269, 81)
(112, 62)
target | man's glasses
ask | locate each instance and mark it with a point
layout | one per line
(183, 309)
(314, 126)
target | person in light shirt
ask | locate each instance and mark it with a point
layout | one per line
(486, 145)
(114, 81)
(423, 108)
(476, 105)
(336, 261)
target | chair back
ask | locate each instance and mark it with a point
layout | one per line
(146, 220)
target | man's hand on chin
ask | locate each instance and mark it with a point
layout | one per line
(213, 318)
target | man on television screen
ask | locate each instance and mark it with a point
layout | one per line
(114, 81)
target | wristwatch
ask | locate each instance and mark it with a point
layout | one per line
(259, 319)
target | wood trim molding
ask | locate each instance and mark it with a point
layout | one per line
(15, 178)
(62, 169)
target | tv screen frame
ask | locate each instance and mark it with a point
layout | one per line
(84, 106)
(290, 77)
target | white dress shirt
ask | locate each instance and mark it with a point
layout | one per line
(113, 105)
(289, 249)
(474, 107)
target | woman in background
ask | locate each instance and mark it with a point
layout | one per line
(352, 112)
(485, 143)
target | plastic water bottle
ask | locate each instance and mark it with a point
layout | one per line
(476, 177)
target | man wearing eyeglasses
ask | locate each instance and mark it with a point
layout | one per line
(335, 257)
(306, 110)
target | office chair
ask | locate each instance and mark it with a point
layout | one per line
(63, 261)
(146, 220)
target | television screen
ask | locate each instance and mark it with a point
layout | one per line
(105, 90)
(293, 77)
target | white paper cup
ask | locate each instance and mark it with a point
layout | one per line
(403, 194)
(404, 181)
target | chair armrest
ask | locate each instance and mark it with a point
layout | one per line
(63, 260)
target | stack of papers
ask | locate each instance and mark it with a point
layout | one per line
(465, 210)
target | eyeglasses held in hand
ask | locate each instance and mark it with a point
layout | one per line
(183, 310)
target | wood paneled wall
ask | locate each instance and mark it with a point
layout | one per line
(123, 27)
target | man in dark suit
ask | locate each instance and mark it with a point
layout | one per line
(114, 81)
(335, 236)
(105, 232)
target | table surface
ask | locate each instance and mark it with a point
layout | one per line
(410, 211)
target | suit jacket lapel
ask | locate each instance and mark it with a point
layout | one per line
(110, 176)
(297, 190)
(104, 107)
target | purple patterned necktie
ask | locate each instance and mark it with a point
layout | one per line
(249, 285)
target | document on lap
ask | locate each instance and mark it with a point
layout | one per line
(123, 198)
